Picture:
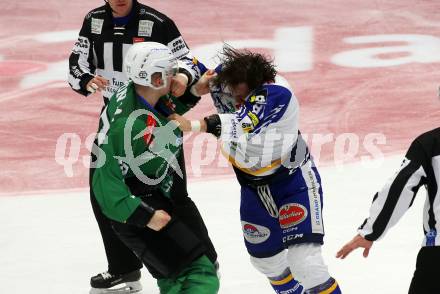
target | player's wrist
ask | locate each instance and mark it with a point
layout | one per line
(186, 74)
(85, 80)
(141, 216)
(183, 77)
(194, 90)
(195, 126)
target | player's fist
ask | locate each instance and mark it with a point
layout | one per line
(178, 84)
(202, 85)
(183, 123)
(98, 83)
(159, 220)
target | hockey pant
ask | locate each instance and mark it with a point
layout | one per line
(283, 228)
(168, 251)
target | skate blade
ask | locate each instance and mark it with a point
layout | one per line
(124, 288)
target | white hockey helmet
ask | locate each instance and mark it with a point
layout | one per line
(147, 58)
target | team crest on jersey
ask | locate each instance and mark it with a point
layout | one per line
(96, 27)
(255, 234)
(292, 214)
(145, 28)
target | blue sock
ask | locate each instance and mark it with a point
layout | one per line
(286, 284)
(328, 287)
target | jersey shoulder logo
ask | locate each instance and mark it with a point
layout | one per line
(259, 97)
(145, 28)
(96, 27)
(178, 47)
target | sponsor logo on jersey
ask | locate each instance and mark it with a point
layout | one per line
(76, 72)
(117, 83)
(142, 11)
(145, 28)
(89, 15)
(96, 27)
(253, 118)
(255, 234)
(292, 237)
(178, 47)
(292, 214)
(314, 197)
(289, 230)
(138, 40)
(81, 47)
(247, 127)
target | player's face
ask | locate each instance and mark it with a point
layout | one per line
(121, 8)
(240, 92)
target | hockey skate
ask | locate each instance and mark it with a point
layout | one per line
(107, 283)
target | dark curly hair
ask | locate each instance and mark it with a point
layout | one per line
(244, 66)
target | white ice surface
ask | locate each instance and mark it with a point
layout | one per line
(49, 242)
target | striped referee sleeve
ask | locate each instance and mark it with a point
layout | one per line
(397, 196)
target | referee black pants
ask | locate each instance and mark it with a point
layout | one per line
(426, 279)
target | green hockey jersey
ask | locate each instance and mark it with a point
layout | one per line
(135, 140)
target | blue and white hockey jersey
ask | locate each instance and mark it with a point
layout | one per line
(261, 137)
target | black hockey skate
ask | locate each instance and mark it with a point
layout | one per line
(107, 283)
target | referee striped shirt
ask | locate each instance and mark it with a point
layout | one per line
(421, 166)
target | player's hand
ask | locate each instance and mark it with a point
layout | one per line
(98, 83)
(357, 242)
(159, 220)
(183, 123)
(202, 85)
(178, 84)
